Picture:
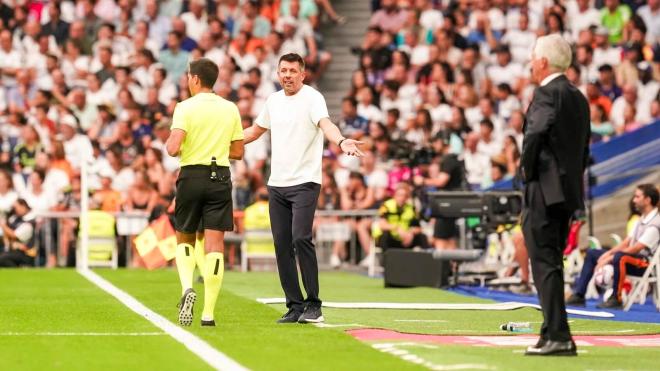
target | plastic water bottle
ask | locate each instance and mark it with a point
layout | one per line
(516, 327)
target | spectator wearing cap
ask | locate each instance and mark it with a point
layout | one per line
(626, 72)
(174, 59)
(505, 70)
(614, 16)
(604, 52)
(607, 82)
(77, 146)
(647, 87)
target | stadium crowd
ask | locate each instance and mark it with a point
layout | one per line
(438, 97)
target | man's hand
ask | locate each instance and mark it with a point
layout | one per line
(350, 147)
(604, 260)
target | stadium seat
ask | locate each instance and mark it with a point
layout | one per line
(257, 243)
(102, 240)
(641, 285)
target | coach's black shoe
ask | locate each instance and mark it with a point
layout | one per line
(186, 307)
(611, 303)
(208, 323)
(290, 317)
(554, 348)
(576, 301)
(312, 314)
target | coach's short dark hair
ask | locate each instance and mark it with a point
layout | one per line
(206, 70)
(650, 191)
(292, 57)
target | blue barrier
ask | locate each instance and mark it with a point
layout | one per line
(636, 150)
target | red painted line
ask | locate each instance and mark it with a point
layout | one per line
(372, 335)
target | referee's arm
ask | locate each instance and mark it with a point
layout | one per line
(173, 144)
(236, 150)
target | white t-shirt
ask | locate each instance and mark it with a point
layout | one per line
(650, 236)
(7, 201)
(296, 139)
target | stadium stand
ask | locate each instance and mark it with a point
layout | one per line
(100, 78)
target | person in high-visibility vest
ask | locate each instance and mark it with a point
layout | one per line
(256, 215)
(398, 225)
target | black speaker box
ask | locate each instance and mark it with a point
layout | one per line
(406, 268)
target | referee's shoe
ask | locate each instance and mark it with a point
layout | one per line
(186, 307)
(312, 314)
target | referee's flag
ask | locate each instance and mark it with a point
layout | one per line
(156, 245)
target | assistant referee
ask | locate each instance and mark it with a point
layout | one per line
(206, 133)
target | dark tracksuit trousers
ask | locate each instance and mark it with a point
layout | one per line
(291, 217)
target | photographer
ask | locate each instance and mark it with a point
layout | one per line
(18, 234)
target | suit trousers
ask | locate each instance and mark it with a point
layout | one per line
(545, 230)
(291, 217)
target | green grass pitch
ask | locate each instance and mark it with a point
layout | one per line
(57, 320)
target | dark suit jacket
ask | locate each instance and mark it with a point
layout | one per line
(556, 143)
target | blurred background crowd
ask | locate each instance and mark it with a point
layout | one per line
(438, 97)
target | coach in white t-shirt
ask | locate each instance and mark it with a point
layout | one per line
(298, 119)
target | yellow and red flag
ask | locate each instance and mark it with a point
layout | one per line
(156, 245)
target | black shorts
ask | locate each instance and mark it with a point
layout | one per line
(203, 202)
(445, 228)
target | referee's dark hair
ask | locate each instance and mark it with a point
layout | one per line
(292, 57)
(206, 70)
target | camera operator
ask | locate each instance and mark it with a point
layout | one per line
(18, 234)
(446, 172)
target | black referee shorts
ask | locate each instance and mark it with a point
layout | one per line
(201, 200)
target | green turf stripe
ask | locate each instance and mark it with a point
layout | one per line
(61, 301)
(247, 331)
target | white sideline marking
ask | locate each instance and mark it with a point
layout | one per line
(333, 325)
(395, 350)
(509, 305)
(82, 333)
(199, 347)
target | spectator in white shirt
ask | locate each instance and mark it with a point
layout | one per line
(477, 163)
(195, 19)
(11, 59)
(650, 13)
(77, 147)
(581, 15)
(505, 70)
(520, 40)
(488, 144)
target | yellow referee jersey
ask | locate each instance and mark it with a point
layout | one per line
(211, 123)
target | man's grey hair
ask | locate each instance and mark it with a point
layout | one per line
(556, 50)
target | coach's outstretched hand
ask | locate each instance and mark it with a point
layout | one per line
(350, 147)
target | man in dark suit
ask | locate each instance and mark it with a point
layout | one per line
(554, 157)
